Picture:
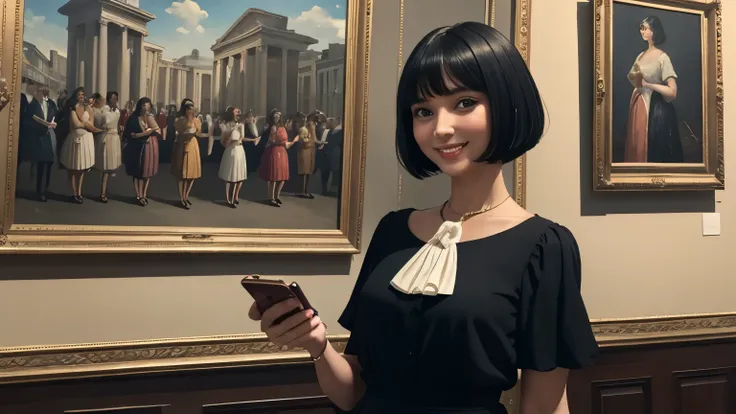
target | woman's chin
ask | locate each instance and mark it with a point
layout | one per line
(456, 168)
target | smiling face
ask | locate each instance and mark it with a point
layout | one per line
(146, 107)
(236, 114)
(453, 130)
(113, 101)
(646, 32)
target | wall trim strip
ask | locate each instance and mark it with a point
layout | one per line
(51, 362)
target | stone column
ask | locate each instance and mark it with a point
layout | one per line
(223, 84)
(124, 81)
(167, 86)
(71, 60)
(155, 58)
(92, 41)
(244, 89)
(284, 77)
(136, 74)
(81, 56)
(262, 80)
(234, 91)
(313, 88)
(214, 86)
(102, 57)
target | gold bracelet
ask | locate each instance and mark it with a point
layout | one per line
(321, 354)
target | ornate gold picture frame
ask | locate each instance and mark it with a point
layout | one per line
(520, 13)
(658, 95)
(344, 237)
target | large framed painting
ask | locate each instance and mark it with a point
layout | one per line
(658, 95)
(183, 125)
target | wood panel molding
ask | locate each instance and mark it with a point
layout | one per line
(39, 363)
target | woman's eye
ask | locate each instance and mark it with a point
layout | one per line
(466, 103)
(421, 113)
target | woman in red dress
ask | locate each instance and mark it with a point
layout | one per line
(274, 167)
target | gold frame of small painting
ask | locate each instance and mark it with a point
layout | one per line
(345, 239)
(641, 170)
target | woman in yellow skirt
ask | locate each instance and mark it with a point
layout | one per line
(186, 164)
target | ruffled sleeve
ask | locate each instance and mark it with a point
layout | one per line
(373, 256)
(553, 326)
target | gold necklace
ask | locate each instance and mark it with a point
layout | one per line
(472, 213)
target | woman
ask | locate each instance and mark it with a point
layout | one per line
(505, 293)
(307, 152)
(186, 164)
(274, 168)
(77, 153)
(233, 167)
(141, 148)
(107, 145)
(652, 132)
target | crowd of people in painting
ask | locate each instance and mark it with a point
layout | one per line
(84, 133)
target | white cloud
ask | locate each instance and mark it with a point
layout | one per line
(32, 21)
(45, 36)
(190, 14)
(337, 6)
(319, 24)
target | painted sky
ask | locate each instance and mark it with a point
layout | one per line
(183, 25)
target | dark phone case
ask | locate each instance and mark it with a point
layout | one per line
(267, 293)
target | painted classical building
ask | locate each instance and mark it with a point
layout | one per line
(187, 77)
(330, 75)
(257, 64)
(107, 51)
(321, 82)
(37, 69)
(105, 46)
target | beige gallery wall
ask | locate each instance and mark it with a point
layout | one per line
(643, 254)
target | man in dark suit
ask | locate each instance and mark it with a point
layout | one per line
(40, 120)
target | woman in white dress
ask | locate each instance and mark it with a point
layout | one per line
(107, 144)
(233, 168)
(78, 151)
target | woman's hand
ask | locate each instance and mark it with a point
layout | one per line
(635, 75)
(303, 329)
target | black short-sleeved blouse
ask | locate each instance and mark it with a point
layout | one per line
(516, 304)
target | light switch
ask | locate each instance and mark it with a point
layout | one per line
(711, 224)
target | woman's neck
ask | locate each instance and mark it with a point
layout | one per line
(482, 186)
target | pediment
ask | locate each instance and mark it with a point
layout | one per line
(251, 19)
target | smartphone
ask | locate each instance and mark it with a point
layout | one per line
(267, 292)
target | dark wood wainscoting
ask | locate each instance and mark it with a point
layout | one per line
(268, 389)
(660, 378)
(683, 365)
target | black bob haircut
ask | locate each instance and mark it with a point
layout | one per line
(655, 25)
(477, 57)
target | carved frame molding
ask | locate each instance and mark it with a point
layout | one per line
(52, 362)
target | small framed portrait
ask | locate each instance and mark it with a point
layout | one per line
(658, 95)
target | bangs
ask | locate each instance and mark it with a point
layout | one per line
(444, 66)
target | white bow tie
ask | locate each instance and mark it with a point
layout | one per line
(432, 270)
